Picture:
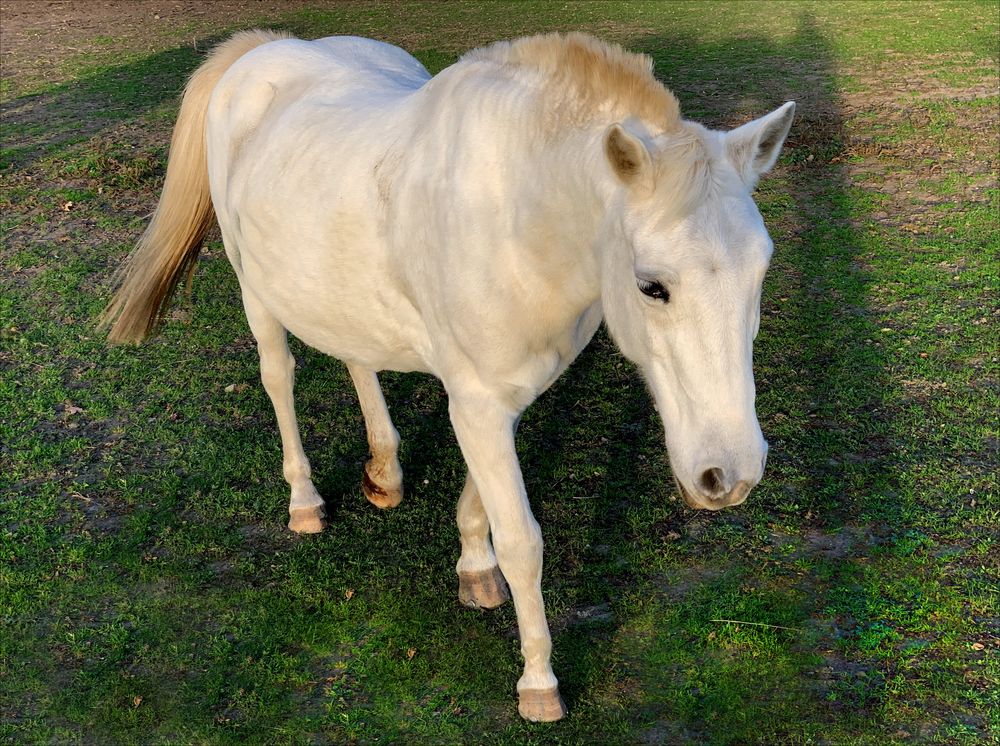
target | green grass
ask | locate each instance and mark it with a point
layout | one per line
(150, 593)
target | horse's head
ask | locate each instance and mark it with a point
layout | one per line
(681, 290)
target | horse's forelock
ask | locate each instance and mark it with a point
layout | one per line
(685, 172)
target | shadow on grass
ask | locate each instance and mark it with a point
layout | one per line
(41, 124)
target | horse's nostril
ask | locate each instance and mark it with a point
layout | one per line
(712, 482)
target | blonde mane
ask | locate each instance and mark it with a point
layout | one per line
(593, 73)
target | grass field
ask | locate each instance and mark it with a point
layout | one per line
(150, 593)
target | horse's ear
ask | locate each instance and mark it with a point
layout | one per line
(628, 156)
(754, 147)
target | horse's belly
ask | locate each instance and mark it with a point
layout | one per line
(361, 339)
(331, 287)
(342, 319)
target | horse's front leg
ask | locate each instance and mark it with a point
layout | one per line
(485, 431)
(481, 585)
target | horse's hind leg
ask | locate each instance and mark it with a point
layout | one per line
(277, 372)
(383, 478)
(481, 585)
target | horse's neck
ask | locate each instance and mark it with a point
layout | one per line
(563, 205)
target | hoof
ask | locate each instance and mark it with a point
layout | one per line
(485, 589)
(307, 520)
(541, 705)
(379, 496)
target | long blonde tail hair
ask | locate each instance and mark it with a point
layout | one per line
(169, 247)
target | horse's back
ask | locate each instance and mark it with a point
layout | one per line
(337, 60)
(360, 54)
(291, 73)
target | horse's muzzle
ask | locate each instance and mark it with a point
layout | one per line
(702, 502)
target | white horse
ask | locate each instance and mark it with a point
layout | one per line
(477, 225)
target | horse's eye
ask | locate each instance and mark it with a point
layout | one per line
(654, 290)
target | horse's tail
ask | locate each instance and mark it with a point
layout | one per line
(169, 247)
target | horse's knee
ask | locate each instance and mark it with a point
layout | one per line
(276, 370)
(526, 536)
(520, 551)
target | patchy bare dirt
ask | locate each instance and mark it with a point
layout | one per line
(39, 36)
(913, 172)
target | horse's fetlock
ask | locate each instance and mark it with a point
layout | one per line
(297, 474)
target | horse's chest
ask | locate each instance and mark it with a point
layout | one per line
(528, 360)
